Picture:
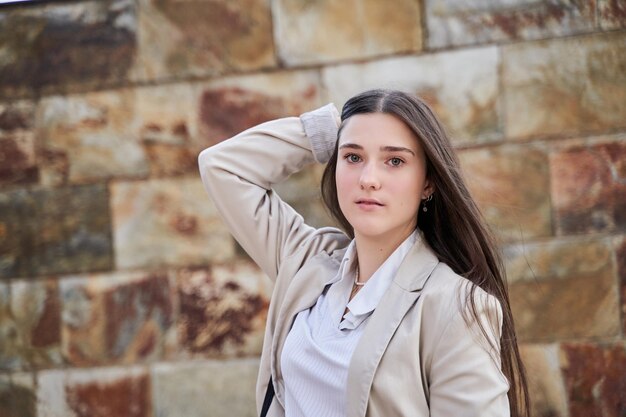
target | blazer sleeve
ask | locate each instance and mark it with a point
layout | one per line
(465, 375)
(239, 173)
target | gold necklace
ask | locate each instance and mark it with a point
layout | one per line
(357, 285)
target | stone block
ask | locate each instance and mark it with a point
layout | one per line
(565, 86)
(327, 31)
(17, 396)
(167, 128)
(230, 105)
(595, 377)
(611, 14)
(564, 289)
(223, 310)
(588, 182)
(466, 101)
(619, 244)
(90, 137)
(17, 144)
(52, 231)
(166, 222)
(509, 184)
(123, 317)
(545, 382)
(205, 388)
(35, 319)
(97, 392)
(62, 46)
(459, 22)
(200, 38)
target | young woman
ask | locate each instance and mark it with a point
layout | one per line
(402, 312)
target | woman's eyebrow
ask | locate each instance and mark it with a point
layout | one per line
(396, 149)
(382, 148)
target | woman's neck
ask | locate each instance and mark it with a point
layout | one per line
(373, 251)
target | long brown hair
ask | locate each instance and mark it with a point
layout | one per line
(454, 227)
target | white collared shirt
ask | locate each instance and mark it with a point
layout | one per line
(319, 346)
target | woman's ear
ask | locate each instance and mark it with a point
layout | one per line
(429, 188)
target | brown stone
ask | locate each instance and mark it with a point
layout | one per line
(545, 382)
(466, 101)
(18, 163)
(49, 231)
(95, 393)
(191, 389)
(116, 318)
(565, 86)
(326, 31)
(564, 289)
(458, 22)
(611, 14)
(17, 399)
(620, 257)
(595, 377)
(17, 116)
(203, 37)
(232, 105)
(509, 184)
(167, 222)
(54, 46)
(588, 183)
(10, 358)
(90, 137)
(222, 310)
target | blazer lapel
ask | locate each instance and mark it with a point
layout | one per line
(303, 292)
(398, 299)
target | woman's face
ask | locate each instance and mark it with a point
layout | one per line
(380, 176)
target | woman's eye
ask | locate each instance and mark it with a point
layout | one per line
(396, 162)
(353, 158)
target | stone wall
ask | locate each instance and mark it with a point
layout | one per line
(122, 294)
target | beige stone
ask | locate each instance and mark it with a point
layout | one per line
(166, 222)
(545, 383)
(326, 31)
(509, 184)
(565, 86)
(201, 388)
(166, 124)
(460, 22)
(611, 14)
(564, 289)
(466, 101)
(200, 38)
(93, 132)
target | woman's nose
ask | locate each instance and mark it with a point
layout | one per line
(369, 178)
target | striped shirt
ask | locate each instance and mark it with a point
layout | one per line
(319, 346)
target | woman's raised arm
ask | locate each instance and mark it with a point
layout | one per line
(239, 173)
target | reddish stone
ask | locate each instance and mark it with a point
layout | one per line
(595, 379)
(589, 188)
(216, 317)
(116, 319)
(126, 396)
(226, 111)
(612, 14)
(17, 160)
(620, 255)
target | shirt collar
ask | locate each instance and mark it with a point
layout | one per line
(367, 299)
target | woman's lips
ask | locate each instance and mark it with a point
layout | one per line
(369, 204)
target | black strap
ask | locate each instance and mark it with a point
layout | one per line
(269, 395)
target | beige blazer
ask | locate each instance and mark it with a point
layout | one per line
(418, 355)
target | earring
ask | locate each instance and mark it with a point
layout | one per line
(426, 200)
